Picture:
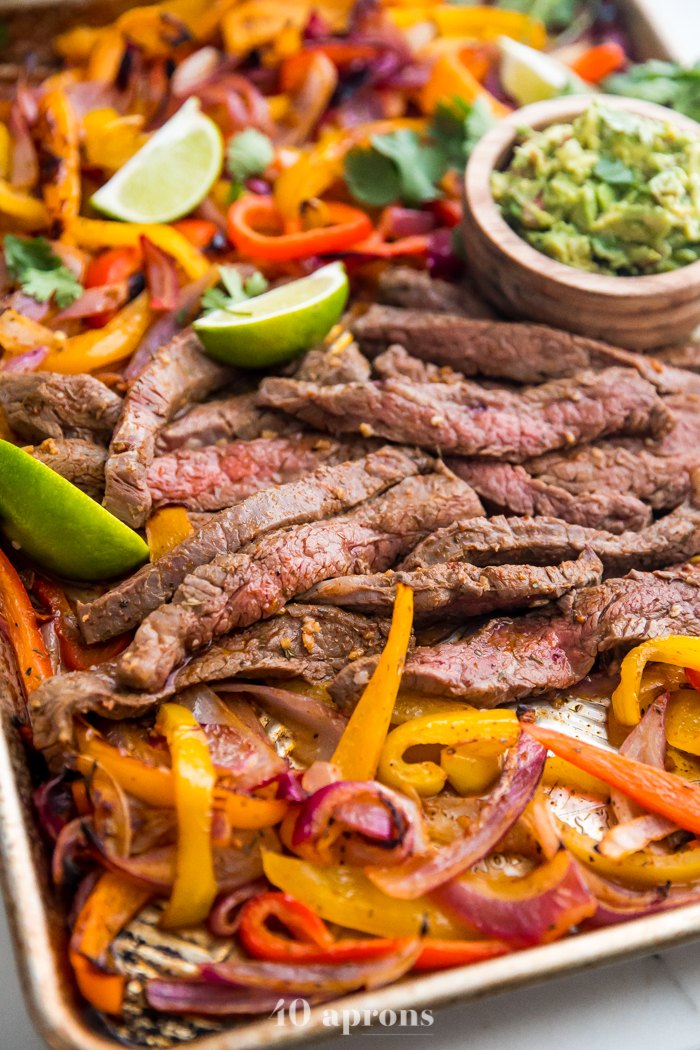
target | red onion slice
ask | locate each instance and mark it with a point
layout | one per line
(209, 1000)
(29, 361)
(95, 301)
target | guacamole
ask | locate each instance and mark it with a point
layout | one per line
(610, 193)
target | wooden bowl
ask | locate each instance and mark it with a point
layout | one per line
(640, 313)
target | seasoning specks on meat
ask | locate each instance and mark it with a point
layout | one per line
(40, 405)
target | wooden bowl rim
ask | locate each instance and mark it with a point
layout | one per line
(491, 151)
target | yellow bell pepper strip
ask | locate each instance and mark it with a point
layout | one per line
(258, 23)
(97, 234)
(22, 207)
(653, 788)
(472, 768)
(479, 23)
(410, 705)
(113, 902)
(559, 773)
(346, 896)
(102, 347)
(427, 778)
(111, 139)
(62, 190)
(165, 529)
(194, 887)
(5, 151)
(450, 78)
(644, 868)
(106, 56)
(677, 649)
(77, 44)
(251, 220)
(26, 639)
(18, 334)
(359, 749)
(683, 721)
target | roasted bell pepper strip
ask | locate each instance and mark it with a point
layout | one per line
(599, 62)
(471, 768)
(103, 347)
(683, 721)
(359, 749)
(427, 778)
(18, 333)
(693, 677)
(679, 650)
(251, 217)
(473, 23)
(75, 654)
(22, 207)
(450, 78)
(62, 190)
(194, 887)
(644, 868)
(112, 904)
(346, 896)
(20, 618)
(560, 773)
(654, 789)
(110, 267)
(443, 955)
(165, 529)
(96, 234)
(199, 232)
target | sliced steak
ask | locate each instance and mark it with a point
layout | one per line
(506, 487)
(221, 475)
(78, 460)
(546, 541)
(395, 362)
(342, 364)
(40, 405)
(235, 590)
(550, 649)
(686, 356)
(415, 289)
(470, 421)
(460, 590)
(225, 419)
(178, 373)
(328, 491)
(525, 353)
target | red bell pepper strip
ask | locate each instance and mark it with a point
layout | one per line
(75, 654)
(110, 267)
(693, 678)
(599, 62)
(199, 232)
(256, 228)
(441, 955)
(653, 788)
(18, 613)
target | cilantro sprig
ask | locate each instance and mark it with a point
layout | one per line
(235, 290)
(40, 273)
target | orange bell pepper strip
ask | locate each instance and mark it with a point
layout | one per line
(443, 955)
(199, 232)
(255, 228)
(18, 613)
(677, 650)
(693, 677)
(653, 788)
(599, 62)
(194, 887)
(449, 78)
(113, 902)
(165, 529)
(62, 191)
(683, 721)
(102, 347)
(360, 747)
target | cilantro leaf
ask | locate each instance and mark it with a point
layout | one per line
(457, 126)
(371, 178)
(248, 153)
(236, 290)
(41, 274)
(419, 166)
(665, 83)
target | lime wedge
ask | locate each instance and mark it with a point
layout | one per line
(58, 526)
(170, 175)
(531, 76)
(277, 325)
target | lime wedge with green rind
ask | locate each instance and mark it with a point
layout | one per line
(533, 76)
(170, 175)
(277, 325)
(58, 526)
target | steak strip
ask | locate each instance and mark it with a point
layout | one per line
(235, 590)
(554, 648)
(224, 419)
(328, 491)
(460, 590)
(78, 460)
(404, 286)
(178, 373)
(40, 405)
(471, 421)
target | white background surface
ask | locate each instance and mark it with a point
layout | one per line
(649, 1004)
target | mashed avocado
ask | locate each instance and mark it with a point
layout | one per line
(610, 193)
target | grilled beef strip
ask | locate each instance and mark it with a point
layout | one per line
(220, 475)
(178, 373)
(457, 590)
(225, 419)
(311, 642)
(39, 405)
(686, 356)
(523, 353)
(78, 460)
(508, 487)
(415, 289)
(235, 590)
(332, 365)
(395, 362)
(328, 491)
(471, 421)
(548, 649)
(547, 541)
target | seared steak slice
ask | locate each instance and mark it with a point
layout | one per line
(471, 421)
(525, 353)
(77, 460)
(40, 405)
(221, 475)
(546, 541)
(415, 289)
(178, 373)
(235, 590)
(459, 590)
(395, 362)
(329, 365)
(550, 649)
(508, 487)
(328, 491)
